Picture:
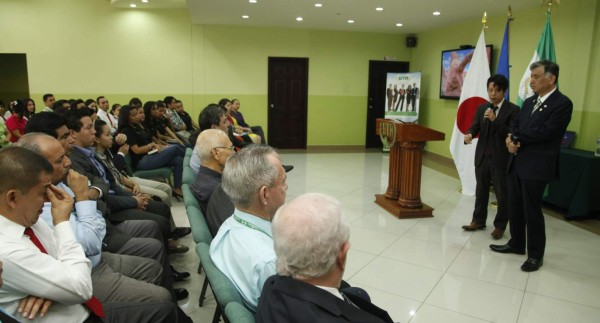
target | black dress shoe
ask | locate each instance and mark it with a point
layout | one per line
(288, 168)
(532, 264)
(505, 248)
(180, 232)
(179, 276)
(181, 293)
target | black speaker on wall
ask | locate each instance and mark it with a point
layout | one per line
(411, 41)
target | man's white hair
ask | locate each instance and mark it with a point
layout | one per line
(308, 234)
(208, 140)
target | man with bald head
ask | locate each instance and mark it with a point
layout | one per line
(255, 181)
(214, 150)
(311, 239)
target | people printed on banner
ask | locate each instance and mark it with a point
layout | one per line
(402, 97)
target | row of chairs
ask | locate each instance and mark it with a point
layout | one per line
(229, 301)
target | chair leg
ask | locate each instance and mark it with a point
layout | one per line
(199, 269)
(217, 316)
(203, 292)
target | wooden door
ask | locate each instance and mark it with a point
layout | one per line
(287, 102)
(376, 98)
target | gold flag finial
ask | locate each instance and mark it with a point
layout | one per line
(484, 19)
(549, 4)
(509, 13)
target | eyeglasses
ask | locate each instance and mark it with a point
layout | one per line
(232, 148)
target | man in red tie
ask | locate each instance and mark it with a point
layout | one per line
(62, 272)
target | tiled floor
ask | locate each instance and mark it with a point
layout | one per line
(430, 270)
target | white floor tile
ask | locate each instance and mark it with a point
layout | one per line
(399, 278)
(423, 253)
(476, 298)
(577, 288)
(428, 314)
(370, 241)
(542, 309)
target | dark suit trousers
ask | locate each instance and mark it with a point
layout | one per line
(527, 227)
(488, 171)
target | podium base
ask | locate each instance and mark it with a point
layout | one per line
(403, 213)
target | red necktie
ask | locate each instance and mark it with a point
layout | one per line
(110, 120)
(93, 304)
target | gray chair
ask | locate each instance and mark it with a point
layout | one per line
(238, 313)
(223, 289)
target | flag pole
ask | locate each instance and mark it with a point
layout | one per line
(484, 20)
(549, 5)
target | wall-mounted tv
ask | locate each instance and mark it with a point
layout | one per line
(455, 64)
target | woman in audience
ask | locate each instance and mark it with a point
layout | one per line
(114, 110)
(30, 108)
(159, 126)
(91, 103)
(145, 153)
(17, 121)
(236, 128)
(239, 117)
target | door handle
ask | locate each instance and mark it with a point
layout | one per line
(272, 106)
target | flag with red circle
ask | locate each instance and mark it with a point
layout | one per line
(474, 93)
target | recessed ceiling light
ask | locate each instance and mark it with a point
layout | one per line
(299, 19)
(399, 25)
(132, 5)
(252, 1)
(145, 1)
(379, 9)
(245, 16)
(318, 5)
(436, 13)
(350, 21)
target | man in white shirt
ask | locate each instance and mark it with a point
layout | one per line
(62, 273)
(103, 114)
(254, 179)
(48, 102)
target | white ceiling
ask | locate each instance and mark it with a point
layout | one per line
(415, 15)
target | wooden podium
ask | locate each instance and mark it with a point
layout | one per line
(403, 195)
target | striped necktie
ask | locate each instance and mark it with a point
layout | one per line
(93, 304)
(537, 105)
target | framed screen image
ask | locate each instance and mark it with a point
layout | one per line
(455, 64)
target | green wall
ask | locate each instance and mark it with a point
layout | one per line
(81, 49)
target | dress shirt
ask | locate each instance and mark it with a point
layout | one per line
(62, 275)
(109, 119)
(245, 254)
(87, 223)
(89, 153)
(176, 119)
(46, 109)
(195, 160)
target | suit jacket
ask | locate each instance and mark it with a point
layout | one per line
(284, 299)
(82, 165)
(493, 132)
(219, 209)
(540, 135)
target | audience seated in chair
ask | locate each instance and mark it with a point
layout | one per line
(255, 181)
(211, 117)
(311, 239)
(125, 284)
(239, 118)
(145, 154)
(215, 149)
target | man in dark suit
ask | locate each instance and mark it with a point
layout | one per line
(534, 143)
(415, 95)
(311, 240)
(390, 98)
(491, 123)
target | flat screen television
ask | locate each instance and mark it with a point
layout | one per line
(455, 64)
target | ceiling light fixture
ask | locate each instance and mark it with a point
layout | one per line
(299, 19)
(145, 1)
(318, 5)
(132, 5)
(399, 25)
(379, 9)
(436, 13)
(252, 1)
(350, 21)
(245, 16)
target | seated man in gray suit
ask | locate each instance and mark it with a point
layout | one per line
(311, 239)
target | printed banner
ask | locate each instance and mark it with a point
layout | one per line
(402, 96)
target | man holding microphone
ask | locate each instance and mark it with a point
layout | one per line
(492, 121)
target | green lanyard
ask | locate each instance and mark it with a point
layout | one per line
(249, 225)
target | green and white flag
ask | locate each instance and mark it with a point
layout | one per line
(544, 51)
